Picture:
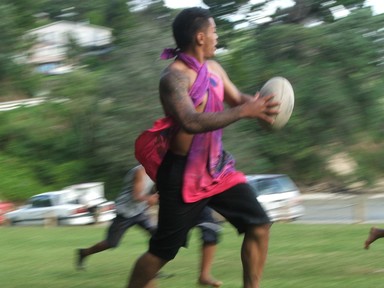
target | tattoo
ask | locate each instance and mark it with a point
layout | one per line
(174, 92)
(177, 103)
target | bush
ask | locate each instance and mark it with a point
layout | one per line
(17, 180)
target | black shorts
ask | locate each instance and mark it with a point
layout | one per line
(210, 227)
(237, 204)
(121, 224)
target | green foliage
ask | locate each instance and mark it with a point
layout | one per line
(333, 72)
(23, 12)
(55, 139)
(71, 10)
(18, 180)
(38, 137)
(87, 128)
(130, 99)
(117, 16)
(221, 8)
(15, 78)
(368, 154)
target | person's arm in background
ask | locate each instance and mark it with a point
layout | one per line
(138, 187)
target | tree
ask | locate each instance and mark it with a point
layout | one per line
(305, 10)
(117, 17)
(334, 71)
(16, 78)
(301, 12)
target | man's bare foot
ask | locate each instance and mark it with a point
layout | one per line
(373, 235)
(210, 282)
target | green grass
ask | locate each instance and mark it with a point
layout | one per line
(300, 255)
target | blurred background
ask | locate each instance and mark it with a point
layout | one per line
(79, 82)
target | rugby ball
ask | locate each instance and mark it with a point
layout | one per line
(282, 90)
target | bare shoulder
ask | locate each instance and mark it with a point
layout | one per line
(215, 67)
(174, 73)
(174, 84)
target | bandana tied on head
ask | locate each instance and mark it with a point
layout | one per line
(169, 53)
(209, 169)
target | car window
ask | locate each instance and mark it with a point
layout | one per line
(274, 185)
(286, 183)
(74, 201)
(268, 186)
(41, 201)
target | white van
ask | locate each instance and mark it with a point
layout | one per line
(278, 195)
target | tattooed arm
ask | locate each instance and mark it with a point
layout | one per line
(174, 85)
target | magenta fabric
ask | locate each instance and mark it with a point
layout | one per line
(209, 169)
(169, 53)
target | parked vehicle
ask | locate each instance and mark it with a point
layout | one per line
(5, 207)
(79, 204)
(278, 195)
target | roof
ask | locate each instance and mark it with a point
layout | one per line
(70, 23)
(263, 176)
(52, 193)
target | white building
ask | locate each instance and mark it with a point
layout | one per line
(49, 54)
(86, 35)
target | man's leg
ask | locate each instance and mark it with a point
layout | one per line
(374, 234)
(82, 253)
(175, 219)
(254, 254)
(115, 232)
(145, 271)
(205, 278)
(241, 208)
(210, 229)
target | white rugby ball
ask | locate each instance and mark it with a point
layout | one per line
(282, 90)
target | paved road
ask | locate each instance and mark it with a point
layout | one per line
(341, 208)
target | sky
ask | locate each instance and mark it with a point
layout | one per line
(377, 5)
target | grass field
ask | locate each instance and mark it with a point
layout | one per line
(300, 255)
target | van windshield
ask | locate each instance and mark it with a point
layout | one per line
(275, 185)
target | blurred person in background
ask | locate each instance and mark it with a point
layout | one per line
(183, 152)
(374, 234)
(138, 194)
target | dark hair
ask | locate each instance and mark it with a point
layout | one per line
(187, 23)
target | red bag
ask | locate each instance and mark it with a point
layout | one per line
(152, 145)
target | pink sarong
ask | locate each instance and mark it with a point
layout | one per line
(209, 169)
